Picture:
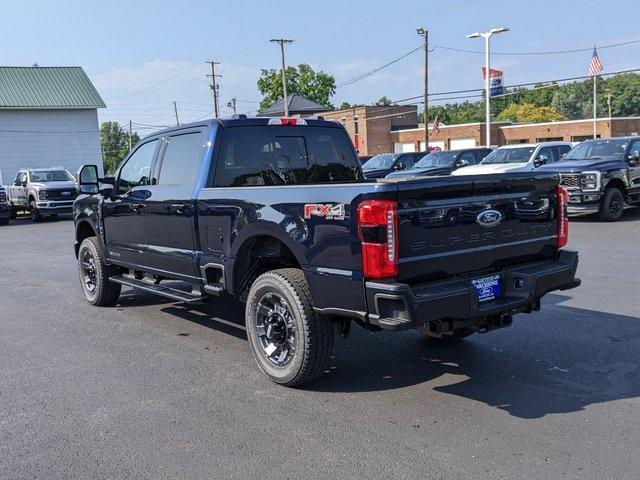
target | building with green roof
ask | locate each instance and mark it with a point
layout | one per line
(48, 117)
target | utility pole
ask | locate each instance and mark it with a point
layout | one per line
(175, 109)
(609, 102)
(285, 100)
(425, 33)
(130, 132)
(214, 86)
(232, 104)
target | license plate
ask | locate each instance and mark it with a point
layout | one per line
(487, 288)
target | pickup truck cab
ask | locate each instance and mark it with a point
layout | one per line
(523, 157)
(276, 212)
(443, 163)
(380, 165)
(601, 175)
(43, 192)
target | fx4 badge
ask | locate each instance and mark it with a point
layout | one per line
(329, 211)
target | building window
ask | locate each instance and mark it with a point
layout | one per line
(582, 138)
(519, 140)
(550, 139)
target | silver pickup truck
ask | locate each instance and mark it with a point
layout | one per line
(42, 192)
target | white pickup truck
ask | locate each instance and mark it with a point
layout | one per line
(42, 192)
(522, 157)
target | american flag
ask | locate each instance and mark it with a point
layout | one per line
(436, 125)
(595, 67)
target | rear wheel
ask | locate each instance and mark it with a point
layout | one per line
(612, 206)
(94, 275)
(34, 212)
(13, 213)
(289, 341)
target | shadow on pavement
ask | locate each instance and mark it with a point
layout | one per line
(559, 363)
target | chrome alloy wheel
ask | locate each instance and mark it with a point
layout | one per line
(276, 329)
(89, 271)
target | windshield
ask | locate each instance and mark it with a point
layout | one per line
(379, 162)
(44, 176)
(437, 159)
(509, 155)
(594, 149)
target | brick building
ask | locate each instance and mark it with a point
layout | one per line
(377, 129)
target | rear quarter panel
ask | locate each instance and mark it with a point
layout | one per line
(328, 249)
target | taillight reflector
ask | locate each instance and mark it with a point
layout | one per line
(378, 230)
(563, 222)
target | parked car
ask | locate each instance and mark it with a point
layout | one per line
(42, 192)
(379, 166)
(276, 212)
(601, 176)
(5, 209)
(443, 163)
(524, 157)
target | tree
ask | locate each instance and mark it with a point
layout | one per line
(114, 142)
(347, 105)
(384, 102)
(301, 80)
(528, 112)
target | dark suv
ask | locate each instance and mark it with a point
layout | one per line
(601, 176)
(381, 165)
(443, 163)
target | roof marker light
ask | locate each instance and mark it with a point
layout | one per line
(287, 121)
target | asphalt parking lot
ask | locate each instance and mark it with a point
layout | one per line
(154, 389)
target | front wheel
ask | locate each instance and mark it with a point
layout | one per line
(13, 213)
(34, 212)
(612, 206)
(289, 341)
(94, 275)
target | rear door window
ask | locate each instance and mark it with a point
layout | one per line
(562, 150)
(275, 155)
(181, 159)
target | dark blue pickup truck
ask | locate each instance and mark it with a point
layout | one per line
(277, 212)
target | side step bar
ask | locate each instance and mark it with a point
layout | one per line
(164, 291)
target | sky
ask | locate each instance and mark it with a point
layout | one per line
(144, 55)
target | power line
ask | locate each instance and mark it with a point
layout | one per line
(552, 52)
(377, 69)
(528, 84)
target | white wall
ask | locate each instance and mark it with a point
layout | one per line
(404, 147)
(460, 143)
(44, 138)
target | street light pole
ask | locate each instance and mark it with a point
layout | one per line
(487, 76)
(425, 33)
(285, 100)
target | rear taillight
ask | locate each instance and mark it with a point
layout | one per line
(378, 230)
(563, 222)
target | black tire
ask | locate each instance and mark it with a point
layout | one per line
(456, 336)
(4, 221)
(34, 212)
(13, 213)
(94, 274)
(612, 206)
(313, 335)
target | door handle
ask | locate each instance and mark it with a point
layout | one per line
(137, 207)
(178, 208)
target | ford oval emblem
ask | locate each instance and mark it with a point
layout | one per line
(489, 218)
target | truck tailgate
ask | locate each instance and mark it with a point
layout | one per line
(469, 225)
